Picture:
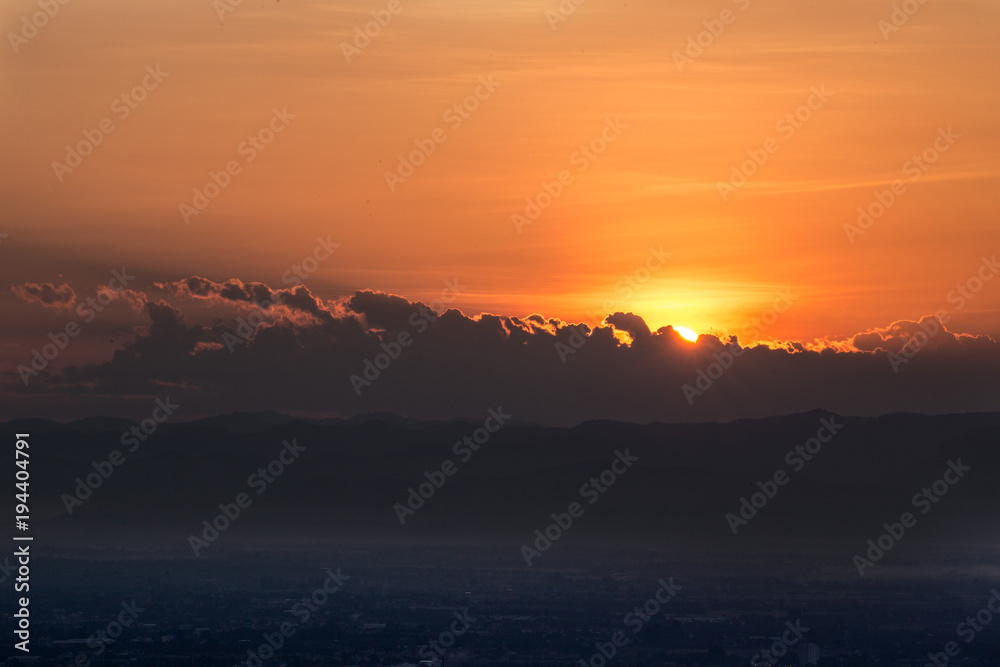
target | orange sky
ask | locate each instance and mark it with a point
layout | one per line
(656, 184)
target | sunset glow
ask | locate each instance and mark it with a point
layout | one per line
(802, 175)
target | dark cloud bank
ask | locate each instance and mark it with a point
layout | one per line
(286, 350)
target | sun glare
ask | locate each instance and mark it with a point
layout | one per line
(686, 333)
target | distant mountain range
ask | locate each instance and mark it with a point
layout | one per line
(352, 473)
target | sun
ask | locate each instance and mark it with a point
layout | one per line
(686, 333)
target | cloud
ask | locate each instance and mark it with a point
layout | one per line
(135, 300)
(46, 294)
(256, 295)
(375, 352)
(381, 311)
(928, 333)
(231, 290)
(631, 324)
